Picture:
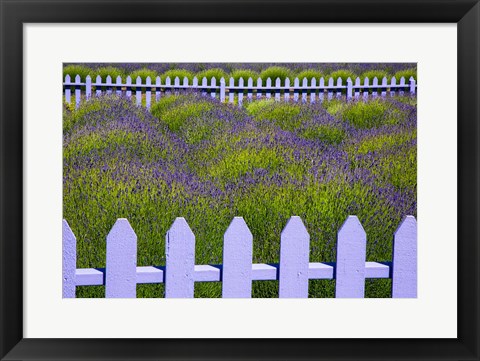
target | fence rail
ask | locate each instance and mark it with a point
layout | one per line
(121, 274)
(309, 91)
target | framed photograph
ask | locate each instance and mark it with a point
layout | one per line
(239, 180)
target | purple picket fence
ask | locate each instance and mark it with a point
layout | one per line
(311, 91)
(179, 274)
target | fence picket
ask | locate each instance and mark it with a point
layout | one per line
(231, 91)
(296, 85)
(148, 93)
(88, 87)
(366, 84)
(339, 88)
(138, 91)
(349, 89)
(401, 90)
(330, 89)
(375, 87)
(118, 85)
(213, 83)
(180, 260)
(412, 85)
(259, 88)
(176, 85)
(304, 90)
(268, 86)
(237, 260)
(294, 257)
(322, 90)
(121, 267)
(404, 259)
(68, 92)
(357, 88)
(129, 87)
(351, 254)
(158, 84)
(393, 83)
(384, 87)
(313, 92)
(278, 84)
(287, 90)
(250, 89)
(240, 93)
(78, 96)
(98, 85)
(204, 86)
(222, 89)
(108, 83)
(168, 86)
(69, 264)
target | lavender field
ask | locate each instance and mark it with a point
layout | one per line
(192, 156)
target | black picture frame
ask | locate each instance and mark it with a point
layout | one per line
(14, 13)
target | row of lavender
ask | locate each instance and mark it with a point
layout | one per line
(237, 272)
(308, 90)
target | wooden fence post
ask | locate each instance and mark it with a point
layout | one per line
(129, 87)
(213, 90)
(68, 92)
(180, 260)
(98, 86)
(231, 91)
(138, 91)
(339, 88)
(412, 85)
(237, 260)
(148, 93)
(404, 274)
(88, 87)
(349, 89)
(351, 255)
(69, 265)
(78, 95)
(222, 89)
(294, 258)
(121, 268)
(240, 92)
(268, 91)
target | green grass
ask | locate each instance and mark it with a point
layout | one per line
(407, 74)
(212, 73)
(245, 74)
(344, 74)
(180, 73)
(143, 74)
(310, 74)
(275, 72)
(74, 70)
(109, 70)
(371, 114)
(371, 74)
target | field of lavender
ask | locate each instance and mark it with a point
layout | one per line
(207, 161)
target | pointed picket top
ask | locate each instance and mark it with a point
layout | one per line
(237, 260)
(404, 268)
(168, 81)
(305, 82)
(366, 81)
(357, 81)
(98, 79)
(176, 81)
(375, 81)
(402, 80)
(148, 81)
(69, 264)
(119, 79)
(411, 79)
(213, 81)
(121, 267)
(294, 259)
(139, 80)
(67, 78)
(351, 256)
(269, 83)
(78, 79)
(204, 81)
(322, 82)
(185, 81)
(180, 260)
(195, 81)
(339, 81)
(158, 81)
(296, 82)
(250, 82)
(384, 80)
(109, 79)
(129, 80)
(287, 82)
(259, 82)
(240, 82)
(231, 82)
(349, 88)
(393, 81)
(222, 80)
(88, 77)
(278, 83)
(330, 82)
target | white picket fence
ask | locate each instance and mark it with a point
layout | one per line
(237, 272)
(313, 91)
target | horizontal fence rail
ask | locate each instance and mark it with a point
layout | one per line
(308, 91)
(121, 274)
